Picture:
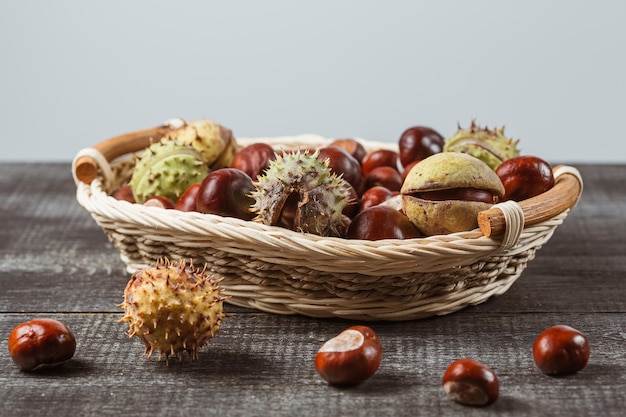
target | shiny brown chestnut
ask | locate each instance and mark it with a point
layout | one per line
(379, 158)
(373, 196)
(561, 350)
(524, 177)
(253, 159)
(124, 193)
(352, 146)
(159, 201)
(342, 163)
(350, 357)
(41, 343)
(384, 176)
(226, 192)
(470, 382)
(187, 201)
(419, 142)
(381, 222)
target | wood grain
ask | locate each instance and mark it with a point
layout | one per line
(55, 262)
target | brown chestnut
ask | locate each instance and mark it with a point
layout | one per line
(373, 196)
(350, 357)
(470, 382)
(385, 176)
(41, 343)
(124, 193)
(380, 157)
(561, 350)
(342, 163)
(253, 159)
(352, 146)
(381, 222)
(419, 142)
(159, 201)
(524, 177)
(226, 192)
(187, 201)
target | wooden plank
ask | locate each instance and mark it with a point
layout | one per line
(262, 364)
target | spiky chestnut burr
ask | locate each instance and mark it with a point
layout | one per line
(490, 146)
(299, 192)
(166, 168)
(215, 143)
(173, 308)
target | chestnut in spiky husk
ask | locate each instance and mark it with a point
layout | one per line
(173, 308)
(166, 169)
(445, 192)
(300, 193)
(215, 143)
(490, 146)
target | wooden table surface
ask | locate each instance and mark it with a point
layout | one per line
(56, 262)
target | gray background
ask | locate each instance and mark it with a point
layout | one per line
(76, 72)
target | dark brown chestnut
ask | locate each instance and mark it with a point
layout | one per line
(380, 157)
(253, 159)
(124, 193)
(159, 201)
(352, 146)
(470, 382)
(524, 177)
(374, 196)
(561, 350)
(419, 142)
(351, 357)
(226, 192)
(187, 201)
(385, 176)
(41, 343)
(342, 163)
(381, 222)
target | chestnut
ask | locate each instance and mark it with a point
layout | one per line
(561, 350)
(524, 177)
(342, 163)
(352, 146)
(226, 192)
(187, 201)
(380, 157)
(419, 142)
(124, 193)
(159, 201)
(444, 193)
(41, 343)
(373, 196)
(381, 222)
(350, 357)
(470, 382)
(253, 159)
(386, 176)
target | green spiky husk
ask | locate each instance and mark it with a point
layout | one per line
(166, 168)
(173, 308)
(215, 144)
(490, 146)
(320, 196)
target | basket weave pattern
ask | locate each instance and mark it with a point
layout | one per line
(277, 270)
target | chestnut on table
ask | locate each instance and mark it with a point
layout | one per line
(55, 262)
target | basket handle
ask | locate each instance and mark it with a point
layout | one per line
(562, 196)
(86, 166)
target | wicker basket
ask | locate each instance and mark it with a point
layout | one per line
(280, 271)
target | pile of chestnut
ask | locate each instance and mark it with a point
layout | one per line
(374, 177)
(349, 358)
